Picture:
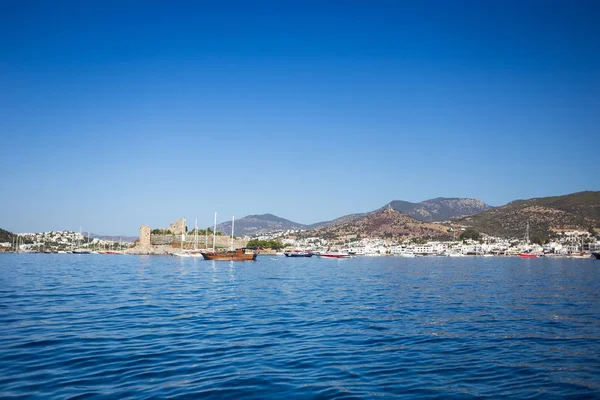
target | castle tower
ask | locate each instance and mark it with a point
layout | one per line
(178, 227)
(145, 237)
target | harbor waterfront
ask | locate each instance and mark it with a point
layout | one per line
(138, 327)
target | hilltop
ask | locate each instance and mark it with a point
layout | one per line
(256, 224)
(440, 208)
(546, 216)
(387, 223)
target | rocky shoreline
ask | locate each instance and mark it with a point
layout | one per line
(154, 251)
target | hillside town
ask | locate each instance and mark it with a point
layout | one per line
(63, 242)
(567, 244)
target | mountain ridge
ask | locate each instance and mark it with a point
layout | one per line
(258, 223)
(427, 210)
(439, 208)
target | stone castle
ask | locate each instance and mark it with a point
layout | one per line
(148, 240)
(178, 227)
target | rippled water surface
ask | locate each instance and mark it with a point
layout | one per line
(112, 326)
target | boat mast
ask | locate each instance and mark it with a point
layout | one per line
(214, 231)
(232, 223)
(196, 235)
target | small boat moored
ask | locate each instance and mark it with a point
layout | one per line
(298, 253)
(530, 255)
(580, 255)
(335, 254)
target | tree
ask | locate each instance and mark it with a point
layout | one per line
(161, 232)
(277, 245)
(469, 233)
(265, 244)
(538, 239)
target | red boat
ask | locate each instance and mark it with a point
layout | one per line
(529, 255)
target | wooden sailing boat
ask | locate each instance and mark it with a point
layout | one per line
(242, 254)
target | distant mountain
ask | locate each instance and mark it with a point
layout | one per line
(387, 223)
(546, 216)
(429, 210)
(256, 224)
(438, 209)
(549, 214)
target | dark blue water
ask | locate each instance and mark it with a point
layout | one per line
(109, 326)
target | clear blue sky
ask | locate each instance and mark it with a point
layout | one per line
(115, 114)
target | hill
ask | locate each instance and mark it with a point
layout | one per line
(440, 208)
(387, 223)
(256, 224)
(434, 209)
(546, 216)
(6, 236)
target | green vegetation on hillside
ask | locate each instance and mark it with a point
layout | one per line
(469, 233)
(546, 216)
(265, 244)
(6, 236)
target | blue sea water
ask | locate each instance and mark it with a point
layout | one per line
(110, 326)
